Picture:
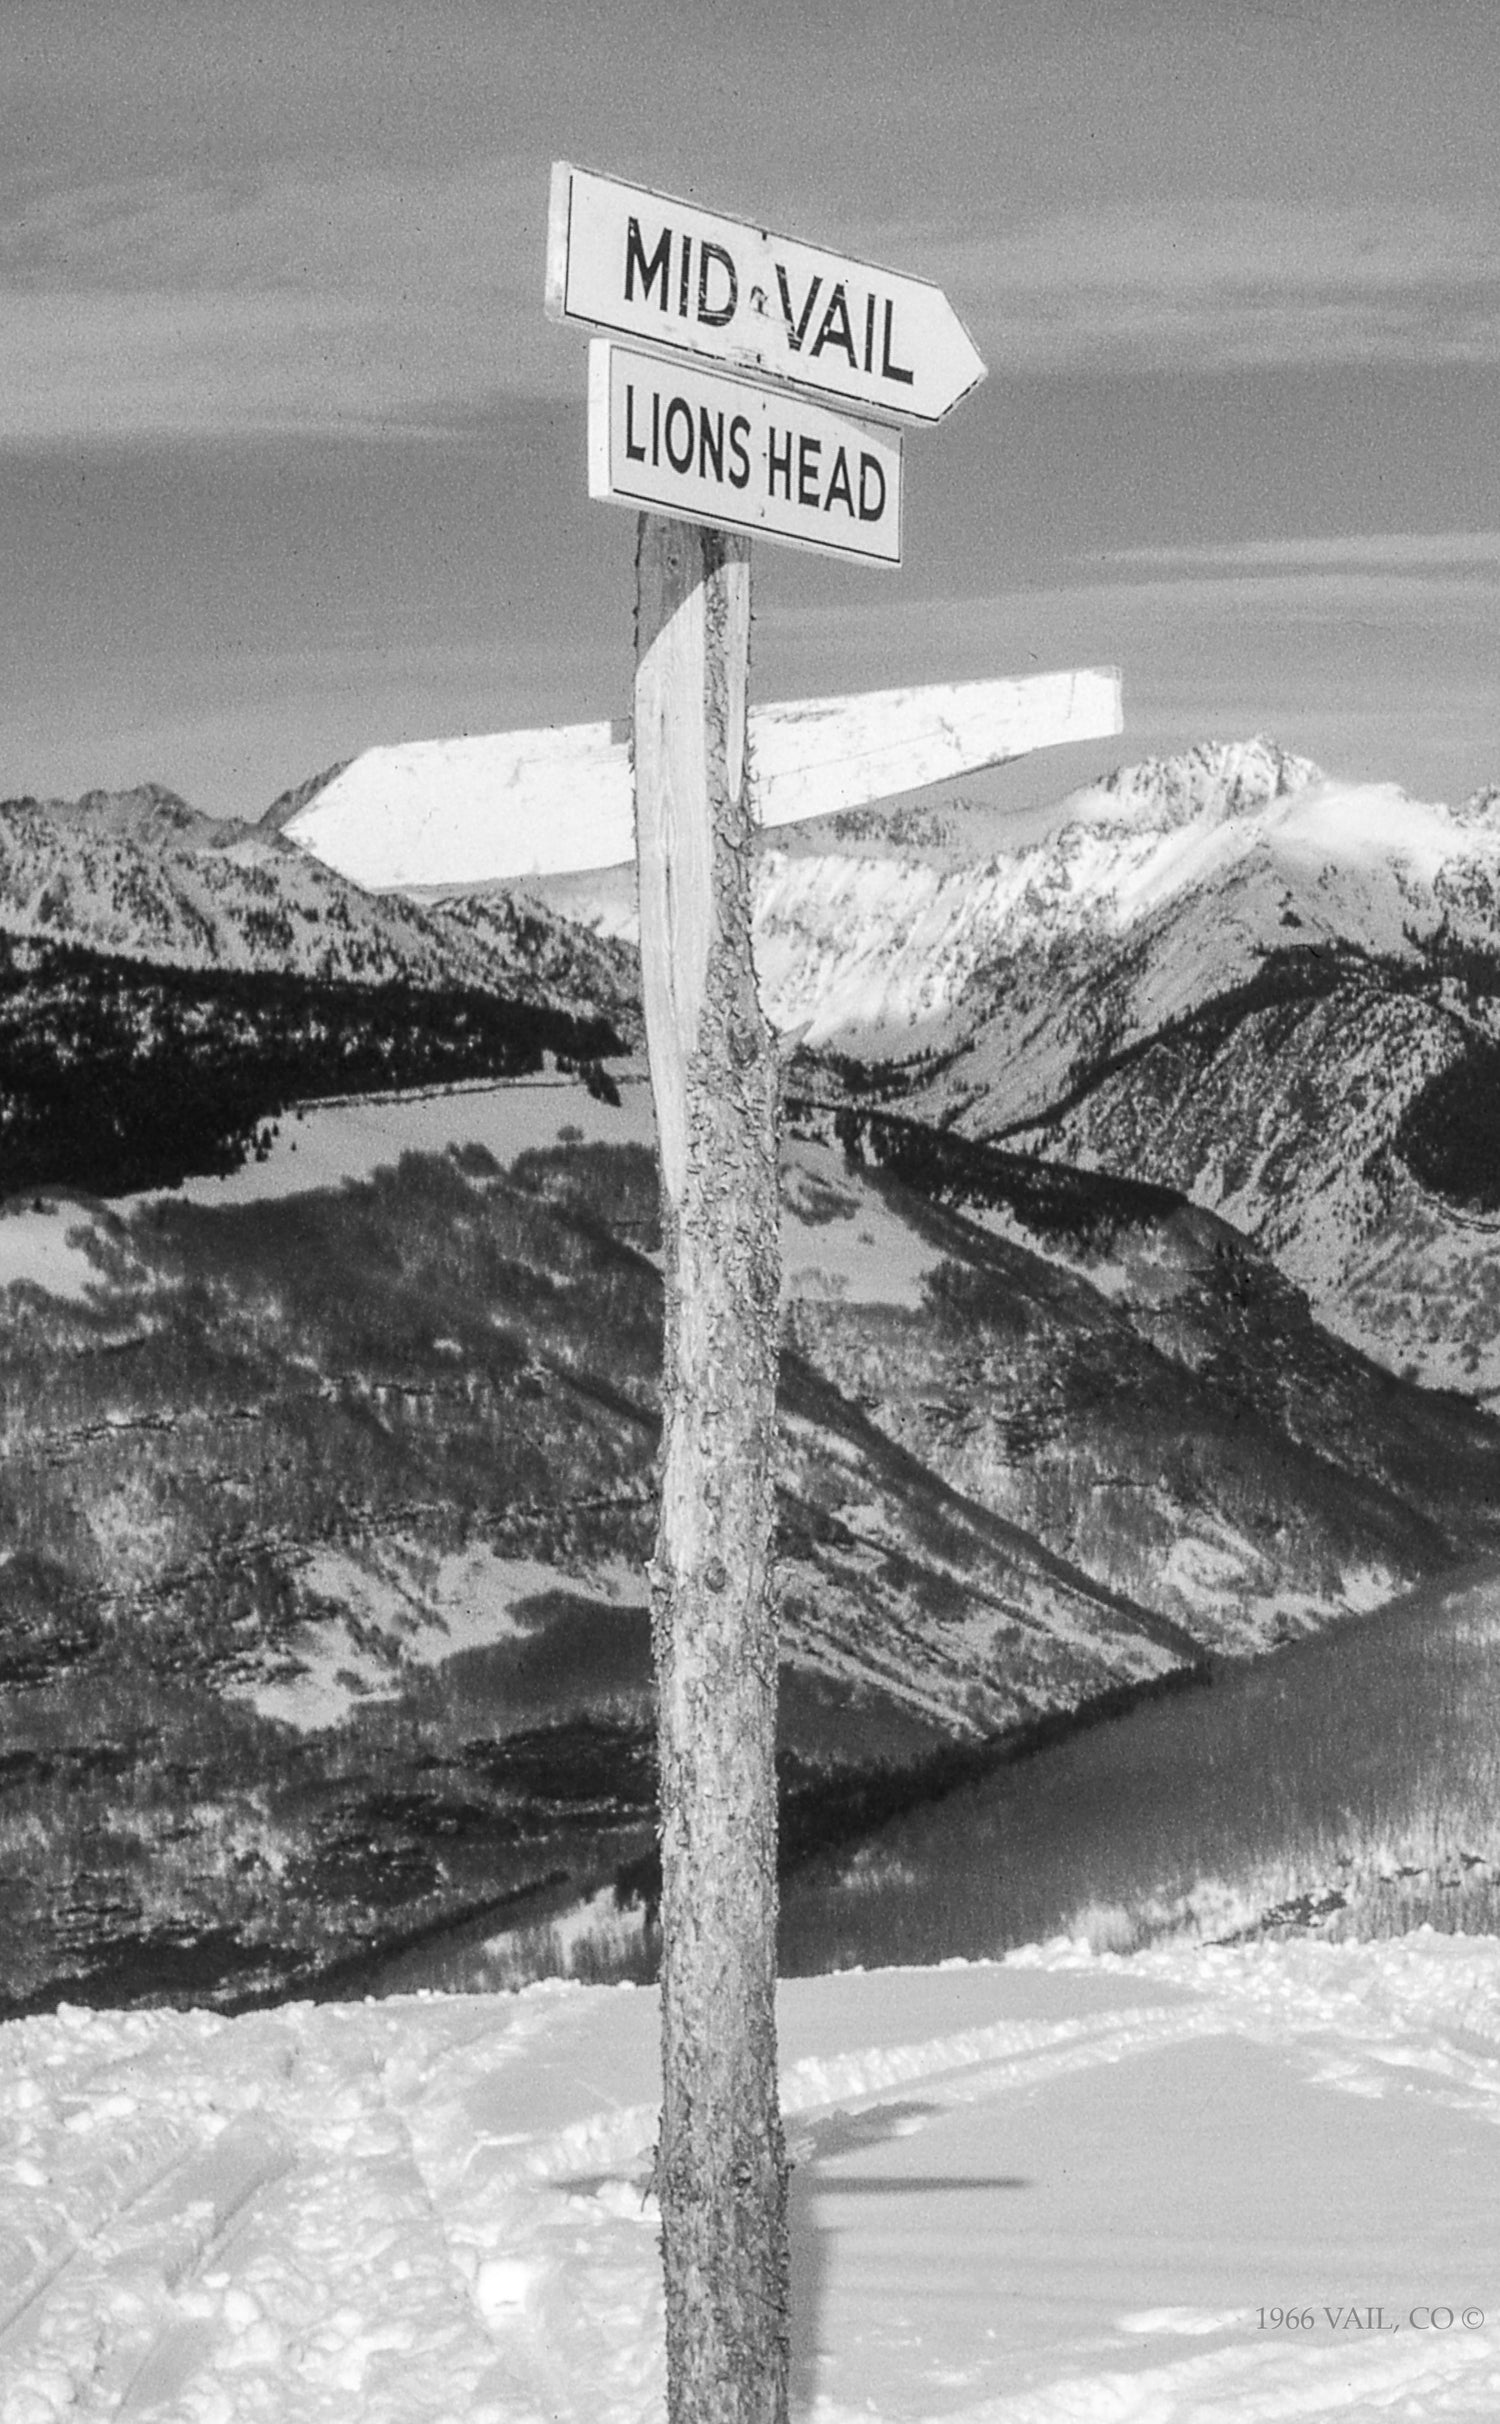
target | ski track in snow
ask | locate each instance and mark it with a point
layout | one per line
(438, 2208)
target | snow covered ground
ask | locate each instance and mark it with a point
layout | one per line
(838, 1239)
(1257, 2183)
(45, 1242)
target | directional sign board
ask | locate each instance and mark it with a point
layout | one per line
(668, 438)
(553, 801)
(638, 264)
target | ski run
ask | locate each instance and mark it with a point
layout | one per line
(1253, 2182)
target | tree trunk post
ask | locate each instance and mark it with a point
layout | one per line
(721, 2167)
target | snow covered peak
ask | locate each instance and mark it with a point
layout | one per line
(1216, 779)
(147, 812)
(1482, 809)
(1212, 860)
(142, 799)
(288, 804)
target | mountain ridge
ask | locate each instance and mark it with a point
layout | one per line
(1279, 1003)
(1226, 970)
(143, 875)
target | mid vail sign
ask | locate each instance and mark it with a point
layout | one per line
(636, 264)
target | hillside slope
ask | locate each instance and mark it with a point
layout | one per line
(324, 1522)
(1226, 971)
(141, 875)
(170, 984)
(324, 1515)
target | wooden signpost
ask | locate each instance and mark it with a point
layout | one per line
(720, 2162)
(711, 459)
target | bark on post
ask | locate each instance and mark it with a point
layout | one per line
(721, 2169)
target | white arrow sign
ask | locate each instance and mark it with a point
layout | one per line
(497, 805)
(665, 437)
(639, 264)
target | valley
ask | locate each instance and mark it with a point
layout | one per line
(331, 1334)
(1346, 1787)
(327, 1510)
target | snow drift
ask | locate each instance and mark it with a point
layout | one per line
(1251, 2184)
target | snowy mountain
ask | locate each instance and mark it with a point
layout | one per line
(892, 934)
(889, 934)
(1225, 971)
(1288, 1011)
(170, 983)
(329, 1503)
(143, 876)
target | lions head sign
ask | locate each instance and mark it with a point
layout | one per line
(637, 264)
(671, 439)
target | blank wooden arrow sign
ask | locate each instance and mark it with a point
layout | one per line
(639, 264)
(551, 802)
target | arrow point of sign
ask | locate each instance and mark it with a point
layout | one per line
(964, 364)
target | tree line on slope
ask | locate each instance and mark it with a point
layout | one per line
(117, 1075)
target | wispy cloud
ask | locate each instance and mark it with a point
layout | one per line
(367, 299)
(374, 298)
(1225, 283)
(1377, 673)
(1402, 552)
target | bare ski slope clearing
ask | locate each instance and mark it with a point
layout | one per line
(1061, 2187)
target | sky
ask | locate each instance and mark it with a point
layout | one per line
(292, 462)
